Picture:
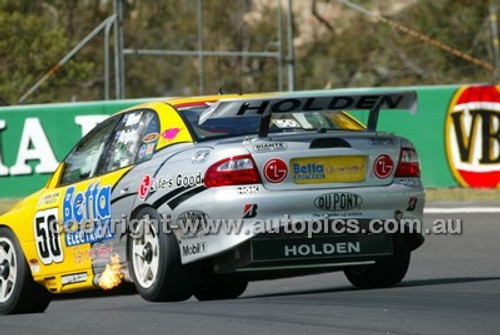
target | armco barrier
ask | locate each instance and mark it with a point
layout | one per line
(456, 132)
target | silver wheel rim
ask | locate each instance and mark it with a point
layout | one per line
(8, 269)
(146, 253)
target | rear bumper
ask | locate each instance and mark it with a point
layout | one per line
(301, 256)
(396, 200)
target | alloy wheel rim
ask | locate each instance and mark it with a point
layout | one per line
(8, 265)
(145, 253)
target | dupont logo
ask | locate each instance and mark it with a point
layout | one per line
(340, 201)
(472, 136)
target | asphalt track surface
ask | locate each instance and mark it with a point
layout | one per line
(452, 287)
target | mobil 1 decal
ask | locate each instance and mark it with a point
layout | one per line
(472, 136)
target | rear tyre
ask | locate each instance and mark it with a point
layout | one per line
(221, 288)
(18, 292)
(154, 261)
(386, 272)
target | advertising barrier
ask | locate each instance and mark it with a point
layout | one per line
(456, 132)
(35, 138)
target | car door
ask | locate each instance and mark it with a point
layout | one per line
(135, 141)
(80, 201)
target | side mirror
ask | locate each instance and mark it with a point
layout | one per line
(56, 177)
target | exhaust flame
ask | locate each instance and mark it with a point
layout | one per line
(112, 276)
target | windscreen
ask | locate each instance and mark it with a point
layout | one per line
(280, 123)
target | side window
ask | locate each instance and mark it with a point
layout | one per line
(83, 161)
(134, 140)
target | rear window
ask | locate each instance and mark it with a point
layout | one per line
(280, 123)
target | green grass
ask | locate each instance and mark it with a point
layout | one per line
(436, 194)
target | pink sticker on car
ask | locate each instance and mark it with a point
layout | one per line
(171, 133)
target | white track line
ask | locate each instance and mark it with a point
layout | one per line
(461, 210)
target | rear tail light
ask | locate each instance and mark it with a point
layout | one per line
(408, 164)
(238, 170)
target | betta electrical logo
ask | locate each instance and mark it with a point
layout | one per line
(87, 214)
(472, 136)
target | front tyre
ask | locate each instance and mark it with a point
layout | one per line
(18, 292)
(154, 261)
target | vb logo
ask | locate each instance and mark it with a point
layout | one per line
(472, 136)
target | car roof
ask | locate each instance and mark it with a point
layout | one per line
(212, 98)
(186, 101)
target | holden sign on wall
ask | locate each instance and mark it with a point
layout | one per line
(472, 136)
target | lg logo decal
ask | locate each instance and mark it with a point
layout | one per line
(275, 170)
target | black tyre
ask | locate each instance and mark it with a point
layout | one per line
(154, 261)
(221, 288)
(18, 292)
(384, 273)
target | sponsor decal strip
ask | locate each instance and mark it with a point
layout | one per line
(321, 247)
(183, 184)
(74, 278)
(389, 100)
(194, 248)
(248, 189)
(270, 146)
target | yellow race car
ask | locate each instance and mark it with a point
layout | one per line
(169, 195)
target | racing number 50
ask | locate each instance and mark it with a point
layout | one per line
(48, 238)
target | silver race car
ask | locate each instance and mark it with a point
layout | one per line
(199, 196)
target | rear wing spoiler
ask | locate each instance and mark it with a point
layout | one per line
(265, 107)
